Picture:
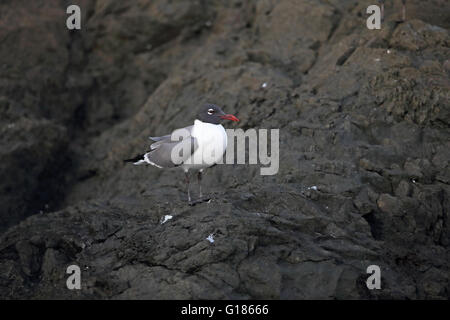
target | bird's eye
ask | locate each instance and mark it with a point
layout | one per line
(210, 111)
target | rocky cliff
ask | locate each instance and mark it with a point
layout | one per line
(364, 149)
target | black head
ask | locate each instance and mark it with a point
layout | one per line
(211, 113)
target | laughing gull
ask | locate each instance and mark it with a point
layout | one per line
(202, 145)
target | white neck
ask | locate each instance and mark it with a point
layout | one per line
(199, 122)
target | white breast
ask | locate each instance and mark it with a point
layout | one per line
(212, 143)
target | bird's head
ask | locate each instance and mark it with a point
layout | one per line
(211, 113)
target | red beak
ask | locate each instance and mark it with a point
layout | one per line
(229, 117)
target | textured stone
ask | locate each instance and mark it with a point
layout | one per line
(364, 148)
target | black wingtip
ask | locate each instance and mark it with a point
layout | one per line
(135, 159)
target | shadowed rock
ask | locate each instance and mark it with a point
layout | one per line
(364, 148)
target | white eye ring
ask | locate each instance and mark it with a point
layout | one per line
(210, 111)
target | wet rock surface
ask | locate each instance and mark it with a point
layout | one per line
(364, 150)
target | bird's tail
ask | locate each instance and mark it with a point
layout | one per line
(135, 159)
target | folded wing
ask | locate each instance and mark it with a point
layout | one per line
(166, 153)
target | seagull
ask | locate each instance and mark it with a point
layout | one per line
(203, 145)
(403, 9)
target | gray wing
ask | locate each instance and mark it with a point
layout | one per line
(161, 151)
(167, 138)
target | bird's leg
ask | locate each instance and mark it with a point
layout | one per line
(403, 10)
(187, 184)
(201, 198)
(199, 178)
(382, 9)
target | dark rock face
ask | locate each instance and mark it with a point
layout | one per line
(364, 148)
